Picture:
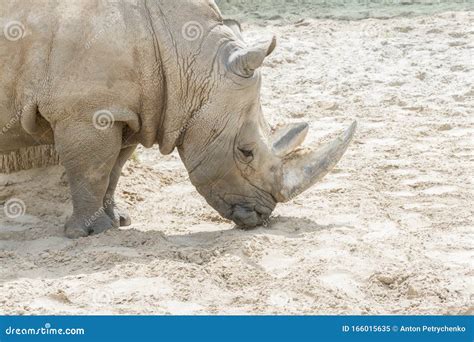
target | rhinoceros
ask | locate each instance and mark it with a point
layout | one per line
(94, 79)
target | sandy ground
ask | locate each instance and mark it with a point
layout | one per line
(390, 231)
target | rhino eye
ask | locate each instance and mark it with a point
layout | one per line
(246, 155)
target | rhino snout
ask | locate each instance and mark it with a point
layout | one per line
(246, 217)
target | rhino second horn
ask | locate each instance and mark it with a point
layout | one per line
(302, 172)
(289, 137)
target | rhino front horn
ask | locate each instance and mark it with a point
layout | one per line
(300, 172)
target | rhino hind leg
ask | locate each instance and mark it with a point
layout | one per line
(89, 156)
(119, 216)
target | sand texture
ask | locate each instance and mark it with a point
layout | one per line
(390, 231)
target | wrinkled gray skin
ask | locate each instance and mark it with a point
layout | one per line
(163, 83)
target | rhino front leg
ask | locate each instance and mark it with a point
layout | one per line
(118, 216)
(89, 156)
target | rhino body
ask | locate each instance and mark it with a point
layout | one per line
(97, 78)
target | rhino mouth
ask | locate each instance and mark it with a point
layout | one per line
(246, 217)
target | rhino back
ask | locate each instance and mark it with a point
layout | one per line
(73, 57)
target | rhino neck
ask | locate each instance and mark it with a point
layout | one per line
(185, 44)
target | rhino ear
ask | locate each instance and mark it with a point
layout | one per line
(289, 137)
(244, 62)
(235, 26)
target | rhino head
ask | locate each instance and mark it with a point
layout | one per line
(234, 159)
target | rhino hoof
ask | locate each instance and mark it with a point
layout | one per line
(119, 217)
(77, 228)
(125, 219)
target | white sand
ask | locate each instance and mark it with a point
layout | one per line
(390, 231)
